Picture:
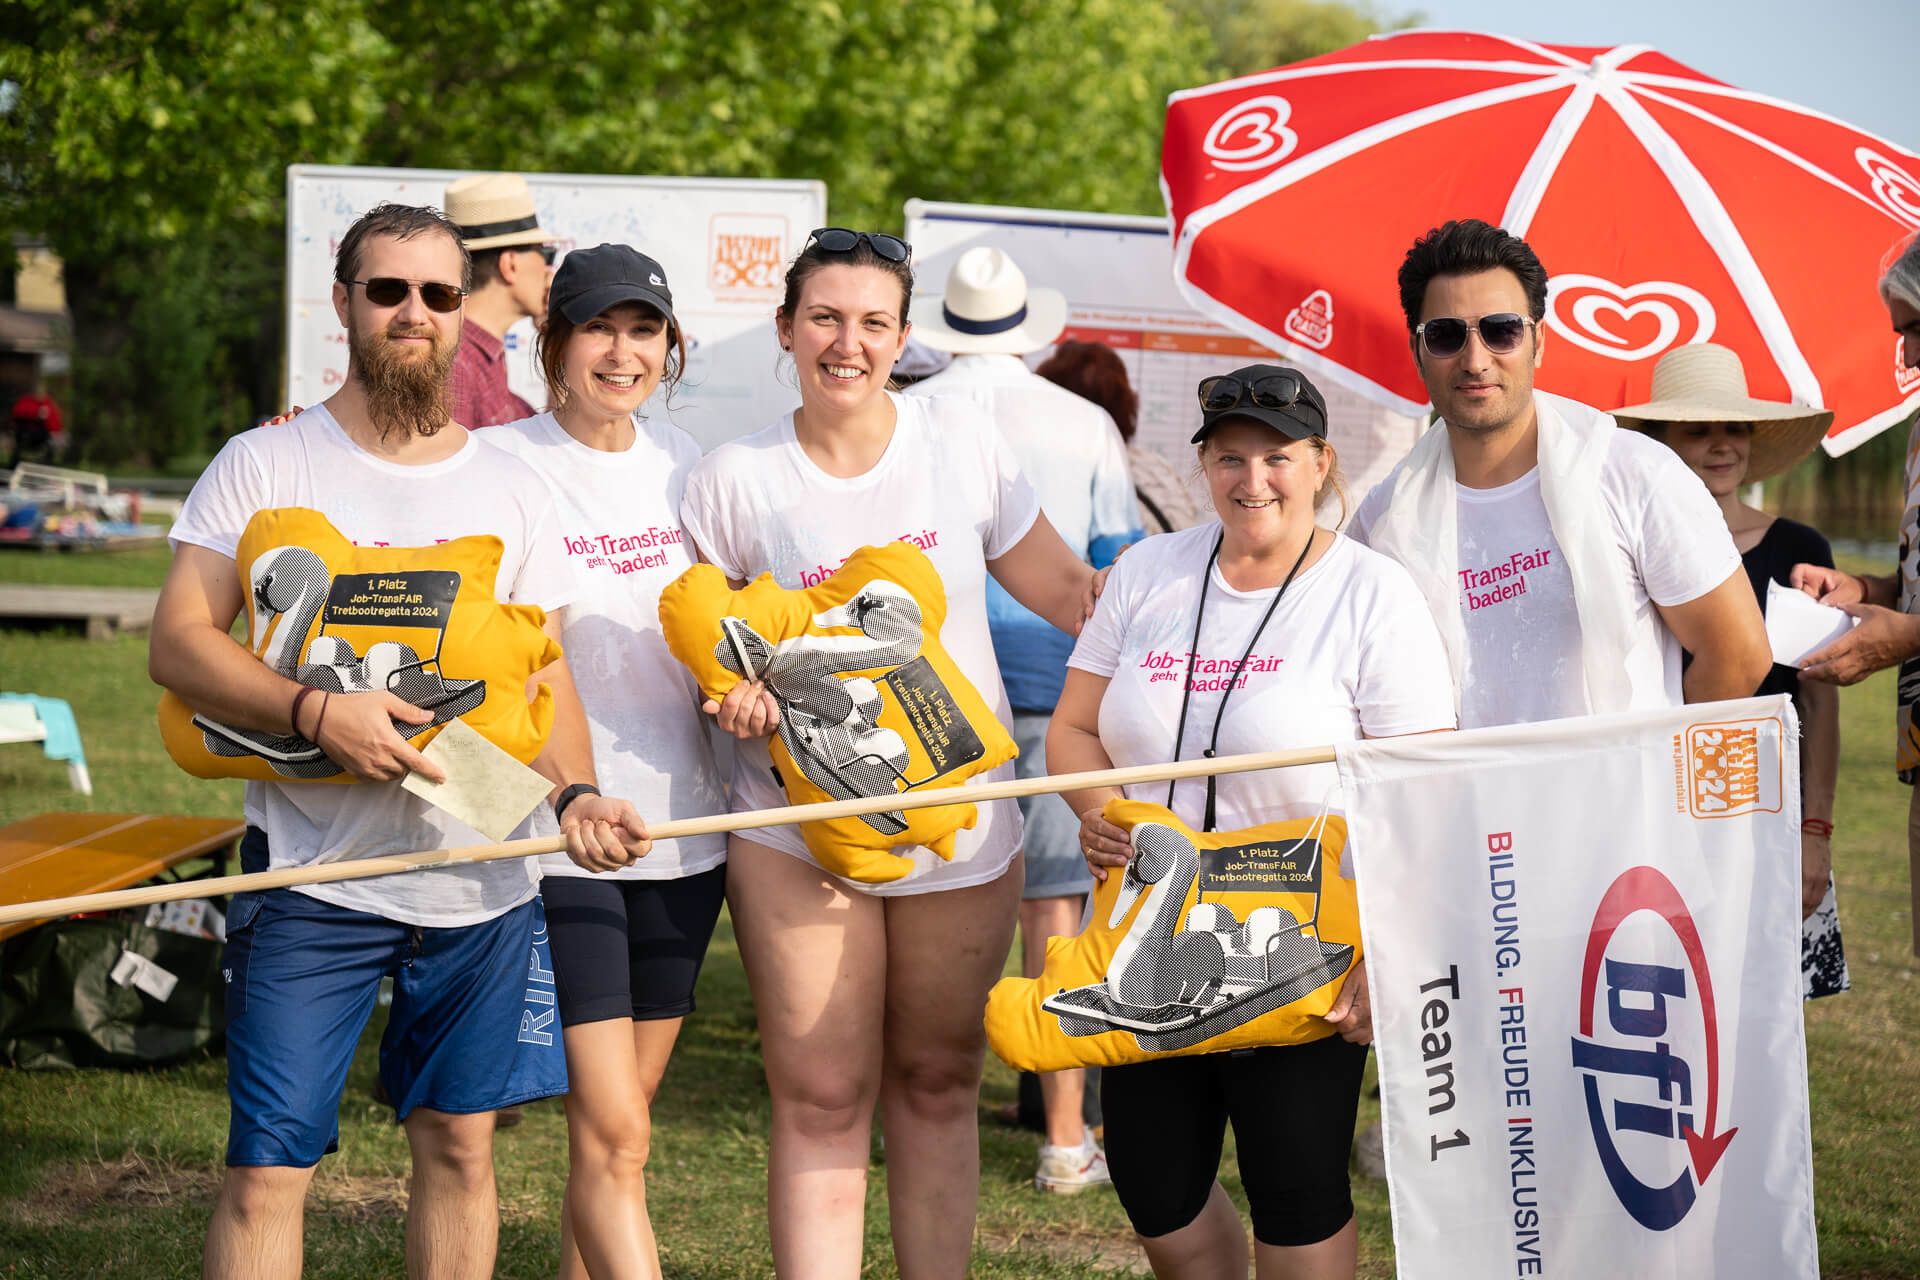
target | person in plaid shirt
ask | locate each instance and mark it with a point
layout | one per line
(512, 263)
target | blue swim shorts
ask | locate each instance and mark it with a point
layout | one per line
(473, 1026)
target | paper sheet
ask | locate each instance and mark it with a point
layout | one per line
(144, 974)
(1797, 624)
(486, 788)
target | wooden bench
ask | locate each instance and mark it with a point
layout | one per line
(104, 611)
(57, 855)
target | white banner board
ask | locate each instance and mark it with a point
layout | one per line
(724, 243)
(1117, 274)
(1583, 948)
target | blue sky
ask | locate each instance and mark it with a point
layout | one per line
(1858, 60)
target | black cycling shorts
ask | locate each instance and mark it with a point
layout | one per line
(629, 948)
(1292, 1109)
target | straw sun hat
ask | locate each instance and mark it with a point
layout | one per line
(1704, 382)
(494, 211)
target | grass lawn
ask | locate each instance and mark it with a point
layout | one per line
(111, 1174)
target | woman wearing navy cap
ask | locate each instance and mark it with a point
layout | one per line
(627, 938)
(1320, 640)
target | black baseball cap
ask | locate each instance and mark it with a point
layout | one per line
(1275, 395)
(591, 280)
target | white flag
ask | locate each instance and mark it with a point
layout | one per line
(1583, 946)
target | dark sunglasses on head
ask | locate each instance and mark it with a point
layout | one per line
(1268, 391)
(1502, 332)
(846, 240)
(391, 291)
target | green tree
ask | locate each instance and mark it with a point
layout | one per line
(146, 141)
(1023, 101)
(148, 138)
(1253, 35)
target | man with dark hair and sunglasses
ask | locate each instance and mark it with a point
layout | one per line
(512, 266)
(469, 1031)
(1566, 562)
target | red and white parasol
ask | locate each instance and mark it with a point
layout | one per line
(1668, 208)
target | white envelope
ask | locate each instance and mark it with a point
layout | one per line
(1797, 624)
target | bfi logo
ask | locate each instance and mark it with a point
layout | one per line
(1650, 1073)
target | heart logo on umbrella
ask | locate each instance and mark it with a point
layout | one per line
(1608, 320)
(1311, 323)
(1254, 135)
(1893, 186)
(1905, 376)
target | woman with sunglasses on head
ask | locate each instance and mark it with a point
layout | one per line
(1291, 636)
(868, 992)
(627, 938)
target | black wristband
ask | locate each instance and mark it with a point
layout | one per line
(573, 792)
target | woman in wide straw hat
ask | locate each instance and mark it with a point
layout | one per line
(1701, 409)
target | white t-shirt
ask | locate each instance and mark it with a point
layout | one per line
(1350, 651)
(619, 520)
(1523, 661)
(948, 484)
(310, 462)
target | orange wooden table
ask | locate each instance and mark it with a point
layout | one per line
(60, 854)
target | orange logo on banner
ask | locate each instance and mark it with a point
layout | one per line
(1311, 322)
(1905, 376)
(746, 253)
(1728, 774)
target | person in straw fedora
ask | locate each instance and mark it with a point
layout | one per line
(1072, 452)
(1702, 411)
(512, 263)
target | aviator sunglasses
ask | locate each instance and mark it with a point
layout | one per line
(391, 291)
(1268, 391)
(846, 240)
(1445, 336)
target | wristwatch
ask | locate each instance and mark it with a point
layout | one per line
(573, 792)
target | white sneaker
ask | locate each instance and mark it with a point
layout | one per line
(1065, 1170)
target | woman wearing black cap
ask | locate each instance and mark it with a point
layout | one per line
(1254, 632)
(627, 940)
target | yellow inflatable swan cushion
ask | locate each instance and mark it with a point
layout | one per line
(419, 622)
(871, 704)
(1205, 943)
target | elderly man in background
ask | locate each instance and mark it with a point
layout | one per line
(1887, 604)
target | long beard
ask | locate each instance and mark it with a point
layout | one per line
(406, 393)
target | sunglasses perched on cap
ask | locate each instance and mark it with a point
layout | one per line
(1445, 336)
(391, 291)
(1268, 391)
(846, 240)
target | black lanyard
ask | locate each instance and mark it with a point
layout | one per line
(1186, 695)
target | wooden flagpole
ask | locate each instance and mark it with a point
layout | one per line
(395, 864)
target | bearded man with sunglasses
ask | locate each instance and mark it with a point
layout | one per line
(1566, 562)
(465, 946)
